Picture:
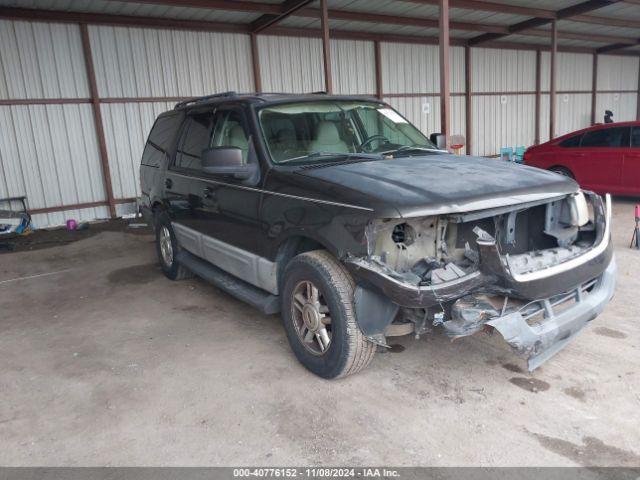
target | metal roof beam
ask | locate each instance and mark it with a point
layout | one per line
(154, 22)
(119, 20)
(268, 19)
(617, 46)
(574, 13)
(538, 32)
(492, 7)
(266, 8)
(607, 21)
(565, 13)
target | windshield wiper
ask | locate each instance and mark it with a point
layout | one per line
(407, 148)
(311, 156)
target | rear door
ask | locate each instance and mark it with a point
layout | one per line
(601, 166)
(182, 179)
(631, 180)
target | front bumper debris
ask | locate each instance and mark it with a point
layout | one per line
(539, 341)
(522, 303)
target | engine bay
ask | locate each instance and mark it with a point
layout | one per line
(529, 237)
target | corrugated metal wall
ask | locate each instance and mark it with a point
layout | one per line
(573, 105)
(41, 60)
(412, 74)
(617, 73)
(140, 62)
(501, 121)
(145, 63)
(353, 67)
(47, 152)
(126, 126)
(502, 115)
(289, 64)
(50, 152)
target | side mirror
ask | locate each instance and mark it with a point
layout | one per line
(227, 161)
(439, 140)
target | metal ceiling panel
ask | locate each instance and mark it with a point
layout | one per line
(478, 16)
(384, 7)
(625, 11)
(592, 29)
(541, 4)
(135, 9)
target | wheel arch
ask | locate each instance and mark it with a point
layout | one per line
(292, 246)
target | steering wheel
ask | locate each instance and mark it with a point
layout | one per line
(373, 138)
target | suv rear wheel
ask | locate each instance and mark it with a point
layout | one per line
(167, 248)
(319, 316)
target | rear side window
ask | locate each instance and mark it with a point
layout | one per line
(195, 138)
(571, 142)
(160, 139)
(607, 137)
(635, 137)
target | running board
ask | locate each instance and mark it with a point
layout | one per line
(263, 301)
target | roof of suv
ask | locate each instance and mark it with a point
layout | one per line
(268, 98)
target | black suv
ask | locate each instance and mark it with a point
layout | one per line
(344, 217)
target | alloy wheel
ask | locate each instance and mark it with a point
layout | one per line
(311, 318)
(166, 249)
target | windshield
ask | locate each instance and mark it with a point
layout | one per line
(330, 129)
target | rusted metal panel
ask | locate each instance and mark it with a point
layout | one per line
(326, 46)
(445, 88)
(553, 68)
(97, 118)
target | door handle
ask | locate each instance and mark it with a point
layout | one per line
(168, 182)
(208, 193)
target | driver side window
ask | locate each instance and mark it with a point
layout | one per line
(230, 131)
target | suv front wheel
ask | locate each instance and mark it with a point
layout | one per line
(319, 316)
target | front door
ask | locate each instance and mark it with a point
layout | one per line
(223, 220)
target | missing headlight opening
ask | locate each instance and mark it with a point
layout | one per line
(465, 271)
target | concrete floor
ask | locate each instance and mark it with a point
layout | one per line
(109, 363)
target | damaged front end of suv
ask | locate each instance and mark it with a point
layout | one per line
(537, 272)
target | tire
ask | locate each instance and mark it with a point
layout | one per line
(170, 266)
(563, 171)
(348, 351)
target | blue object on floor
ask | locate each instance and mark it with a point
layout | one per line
(518, 156)
(506, 153)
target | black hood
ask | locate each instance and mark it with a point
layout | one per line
(441, 183)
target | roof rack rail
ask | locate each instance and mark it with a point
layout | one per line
(205, 98)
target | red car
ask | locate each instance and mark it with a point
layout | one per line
(603, 158)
